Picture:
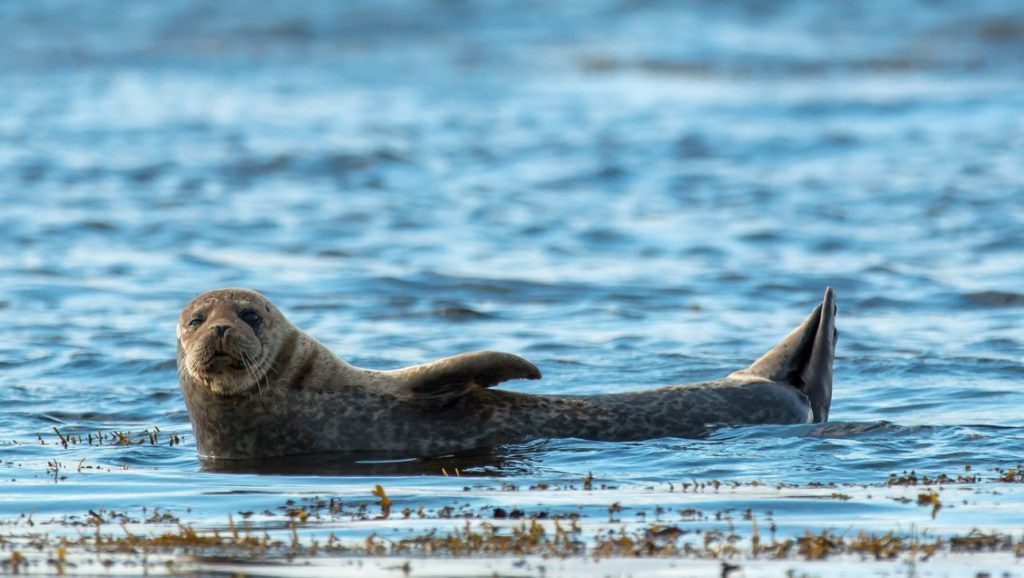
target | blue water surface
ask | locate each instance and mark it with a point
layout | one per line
(629, 194)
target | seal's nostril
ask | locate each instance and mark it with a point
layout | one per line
(221, 330)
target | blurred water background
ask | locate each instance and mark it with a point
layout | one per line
(628, 193)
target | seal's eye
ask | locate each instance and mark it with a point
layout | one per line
(196, 322)
(250, 316)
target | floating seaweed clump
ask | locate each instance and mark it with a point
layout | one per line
(108, 537)
(557, 538)
(299, 528)
(113, 438)
(912, 479)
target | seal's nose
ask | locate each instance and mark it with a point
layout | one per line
(221, 330)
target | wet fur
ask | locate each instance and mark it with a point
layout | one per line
(287, 394)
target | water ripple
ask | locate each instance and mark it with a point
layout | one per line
(570, 182)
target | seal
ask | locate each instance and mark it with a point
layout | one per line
(256, 386)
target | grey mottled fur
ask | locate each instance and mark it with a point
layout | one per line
(313, 402)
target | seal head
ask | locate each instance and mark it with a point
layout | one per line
(228, 339)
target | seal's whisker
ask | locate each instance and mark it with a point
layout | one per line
(249, 364)
(271, 367)
(245, 364)
(266, 371)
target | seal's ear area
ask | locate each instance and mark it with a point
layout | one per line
(454, 376)
(804, 357)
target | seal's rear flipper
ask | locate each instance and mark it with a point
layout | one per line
(804, 357)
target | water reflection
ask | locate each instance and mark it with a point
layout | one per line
(488, 462)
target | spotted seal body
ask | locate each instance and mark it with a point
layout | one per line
(256, 386)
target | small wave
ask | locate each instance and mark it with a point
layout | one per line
(457, 312)
(861, 430)
(995, 298)
(470, 464)
(836, 430)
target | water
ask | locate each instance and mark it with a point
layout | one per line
(629, 194)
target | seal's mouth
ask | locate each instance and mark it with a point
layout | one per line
(220, 360)
(225, 372)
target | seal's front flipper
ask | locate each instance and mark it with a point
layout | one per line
(804, 357)
(454, 376)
